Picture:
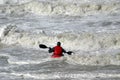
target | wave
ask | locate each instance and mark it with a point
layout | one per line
(13, 1)
(61, 8)
(43, 8)
(66, 75)
(78, 58)
(10, 34)
(101, 58)
(56, 1)
(14, 61)
(98, 57)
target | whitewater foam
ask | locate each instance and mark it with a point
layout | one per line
(60, 8)
(89, 28)
(93, 36)
(81, 41)
(71, 9)
(59, 75)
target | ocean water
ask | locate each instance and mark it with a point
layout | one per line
(89, 28)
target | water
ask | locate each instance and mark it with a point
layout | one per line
(89, 28)
(31, 64)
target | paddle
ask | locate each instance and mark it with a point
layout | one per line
(44, 47)
(69, 52)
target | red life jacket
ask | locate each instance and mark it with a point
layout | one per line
(57, 52)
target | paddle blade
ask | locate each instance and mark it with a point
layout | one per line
(69, 52)
(42, 46)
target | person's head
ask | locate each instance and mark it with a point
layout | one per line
(58, 43)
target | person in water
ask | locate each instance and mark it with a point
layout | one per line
(57, 51)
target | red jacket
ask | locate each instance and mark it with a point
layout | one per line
(58, 52)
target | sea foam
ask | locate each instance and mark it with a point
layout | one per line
(61, 8)
(75, 41)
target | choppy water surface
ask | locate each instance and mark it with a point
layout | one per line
(89, 29)
(18, 64)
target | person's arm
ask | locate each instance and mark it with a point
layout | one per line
(63, 50)
(51, 50)
(69, 52)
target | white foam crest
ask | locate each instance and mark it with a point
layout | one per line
(14, 1)
(18, 62)
(91, 75)
(82, 41)
(46, 8)
(34, 76)
(94, 60)
(55, 1)
(70, 41)
(5, 29)
(29, 61)
(59, 75)
(60, 8)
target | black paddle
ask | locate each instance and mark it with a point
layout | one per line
(44, 47)
(69, 52)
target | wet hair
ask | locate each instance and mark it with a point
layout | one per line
(58, 43)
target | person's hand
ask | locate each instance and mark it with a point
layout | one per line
(50, 50)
